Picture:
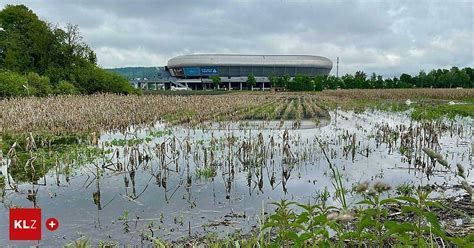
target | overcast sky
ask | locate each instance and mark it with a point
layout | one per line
(387, 37)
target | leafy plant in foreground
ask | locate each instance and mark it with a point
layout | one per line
(371, 220)
(426, 222)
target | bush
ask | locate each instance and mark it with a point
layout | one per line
(38, 85)
(12, 84)
(301, 83)
(92, 79)
(318, 86)
(66, 88)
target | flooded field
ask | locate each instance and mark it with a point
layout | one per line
(176, 181)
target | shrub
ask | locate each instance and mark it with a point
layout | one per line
(92, 79)
(318, 86)
(12, 84)
(38, 85)
(66, 88)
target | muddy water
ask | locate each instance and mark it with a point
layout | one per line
(252, 163)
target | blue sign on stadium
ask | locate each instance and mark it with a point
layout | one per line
(192, 71)
(209, 71)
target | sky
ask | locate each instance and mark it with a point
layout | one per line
(387, 37)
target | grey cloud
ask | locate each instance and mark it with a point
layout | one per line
(387, 37)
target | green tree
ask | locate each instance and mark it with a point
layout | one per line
(406, 81)
(28, 44)
(349, 82)
(216, 81)
(318, 84)
(360, 80)
(274, 81)
(459, 78)
(331, 82)
(251, 81)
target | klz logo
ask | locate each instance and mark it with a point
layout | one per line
(25, 224)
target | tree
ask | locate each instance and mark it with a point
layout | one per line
(422, 79)
(251, 81)
(216, 81)
(360, 80)
(470, 72)
(318, 83)
(406, 81)
(372, 82)
(65, 88)
(274, 81)
(459, 78)
(349, 82)
(379, 83)
(28, 44)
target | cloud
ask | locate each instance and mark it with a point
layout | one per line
(386, 37)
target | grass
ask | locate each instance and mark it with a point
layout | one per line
(427, 104)
(437, 110)
(206, 172)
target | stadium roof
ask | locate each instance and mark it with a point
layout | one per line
(249, 60)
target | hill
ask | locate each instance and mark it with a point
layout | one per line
(139, 72)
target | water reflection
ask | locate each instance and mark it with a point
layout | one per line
(200, 176)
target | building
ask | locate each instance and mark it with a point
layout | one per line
(195, 71)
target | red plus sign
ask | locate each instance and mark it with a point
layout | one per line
(52, 224)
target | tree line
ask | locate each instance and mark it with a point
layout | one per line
(440, 78)
(38, 58)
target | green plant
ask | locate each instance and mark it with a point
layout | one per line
(206, 172)
(370, 225)
(65, 88)
(426, 222)
(309, 226)
(39, 85)
(336, 178)
(158, 243)
(79, 243)
(124, 219)
(405, 189)
(216, 80)
(107, 244)
(285, 222)
(13, 84)
(251, 81)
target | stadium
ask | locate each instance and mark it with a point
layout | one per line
(196, 71)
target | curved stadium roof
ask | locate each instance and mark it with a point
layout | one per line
(249, 60)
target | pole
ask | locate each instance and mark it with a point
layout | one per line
(337, 68)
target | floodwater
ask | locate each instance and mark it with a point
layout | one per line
(248, 165)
